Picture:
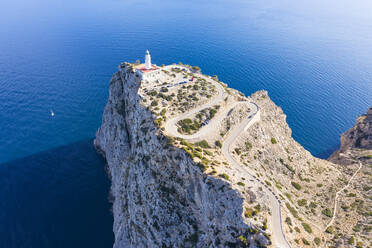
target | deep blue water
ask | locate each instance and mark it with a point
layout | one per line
(313, 58)
(56, 198)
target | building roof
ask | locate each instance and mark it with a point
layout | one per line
(142, 67)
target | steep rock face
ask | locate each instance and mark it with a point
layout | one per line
(360, 136)
(161, 198)
(356, 141)
(355, 159)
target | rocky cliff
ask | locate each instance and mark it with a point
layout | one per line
(358, 138)
(161, 197)
(354, 158)
(177, 191)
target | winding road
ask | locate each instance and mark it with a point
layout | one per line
(279, 239)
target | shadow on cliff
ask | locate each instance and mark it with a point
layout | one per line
(56, 198)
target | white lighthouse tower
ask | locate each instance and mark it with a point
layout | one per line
(148, 65)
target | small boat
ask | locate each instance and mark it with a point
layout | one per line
(51, 112)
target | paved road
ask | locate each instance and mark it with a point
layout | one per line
(171, 127)
(279, 239)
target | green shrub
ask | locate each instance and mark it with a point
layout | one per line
(359, 244)
(224, 176)
(356, 228)
(317, 241)
(273, 141)
(264, 227)
(290, 168)
(196, 68)
(327, 212)
(305, 241)
(292, 210)
(248, 145)
(288, 221)
(203, 144)
(302, 202)
(258, 207)
(296, 185)
(241, 184)
(329, 230)
(307, 227)
(312, 205)
(351, 240)
(243, 240)
(249, 212)
(268, 183)
(154, 103)
(218, 143)
(157, 122)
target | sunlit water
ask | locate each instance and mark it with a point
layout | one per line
(313, 58)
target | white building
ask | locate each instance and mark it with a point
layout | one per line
(148, 65)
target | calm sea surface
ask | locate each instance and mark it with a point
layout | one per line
(313, 58)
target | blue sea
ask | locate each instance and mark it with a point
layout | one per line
(312, 56)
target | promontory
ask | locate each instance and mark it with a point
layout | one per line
(194, 163)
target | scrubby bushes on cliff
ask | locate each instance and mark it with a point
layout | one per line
(296, 185)
(307, 227)
(327, 212)
(224, 176)
(203, 144)
(218, 143)
(187, 125)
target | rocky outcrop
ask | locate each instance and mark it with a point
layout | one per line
(360, 136)
(161, 196)
(355, 141)
(355, 159)
(169, 192)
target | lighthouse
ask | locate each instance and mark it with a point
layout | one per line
(148, 65)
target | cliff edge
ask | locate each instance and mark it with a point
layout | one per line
(194, 163)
